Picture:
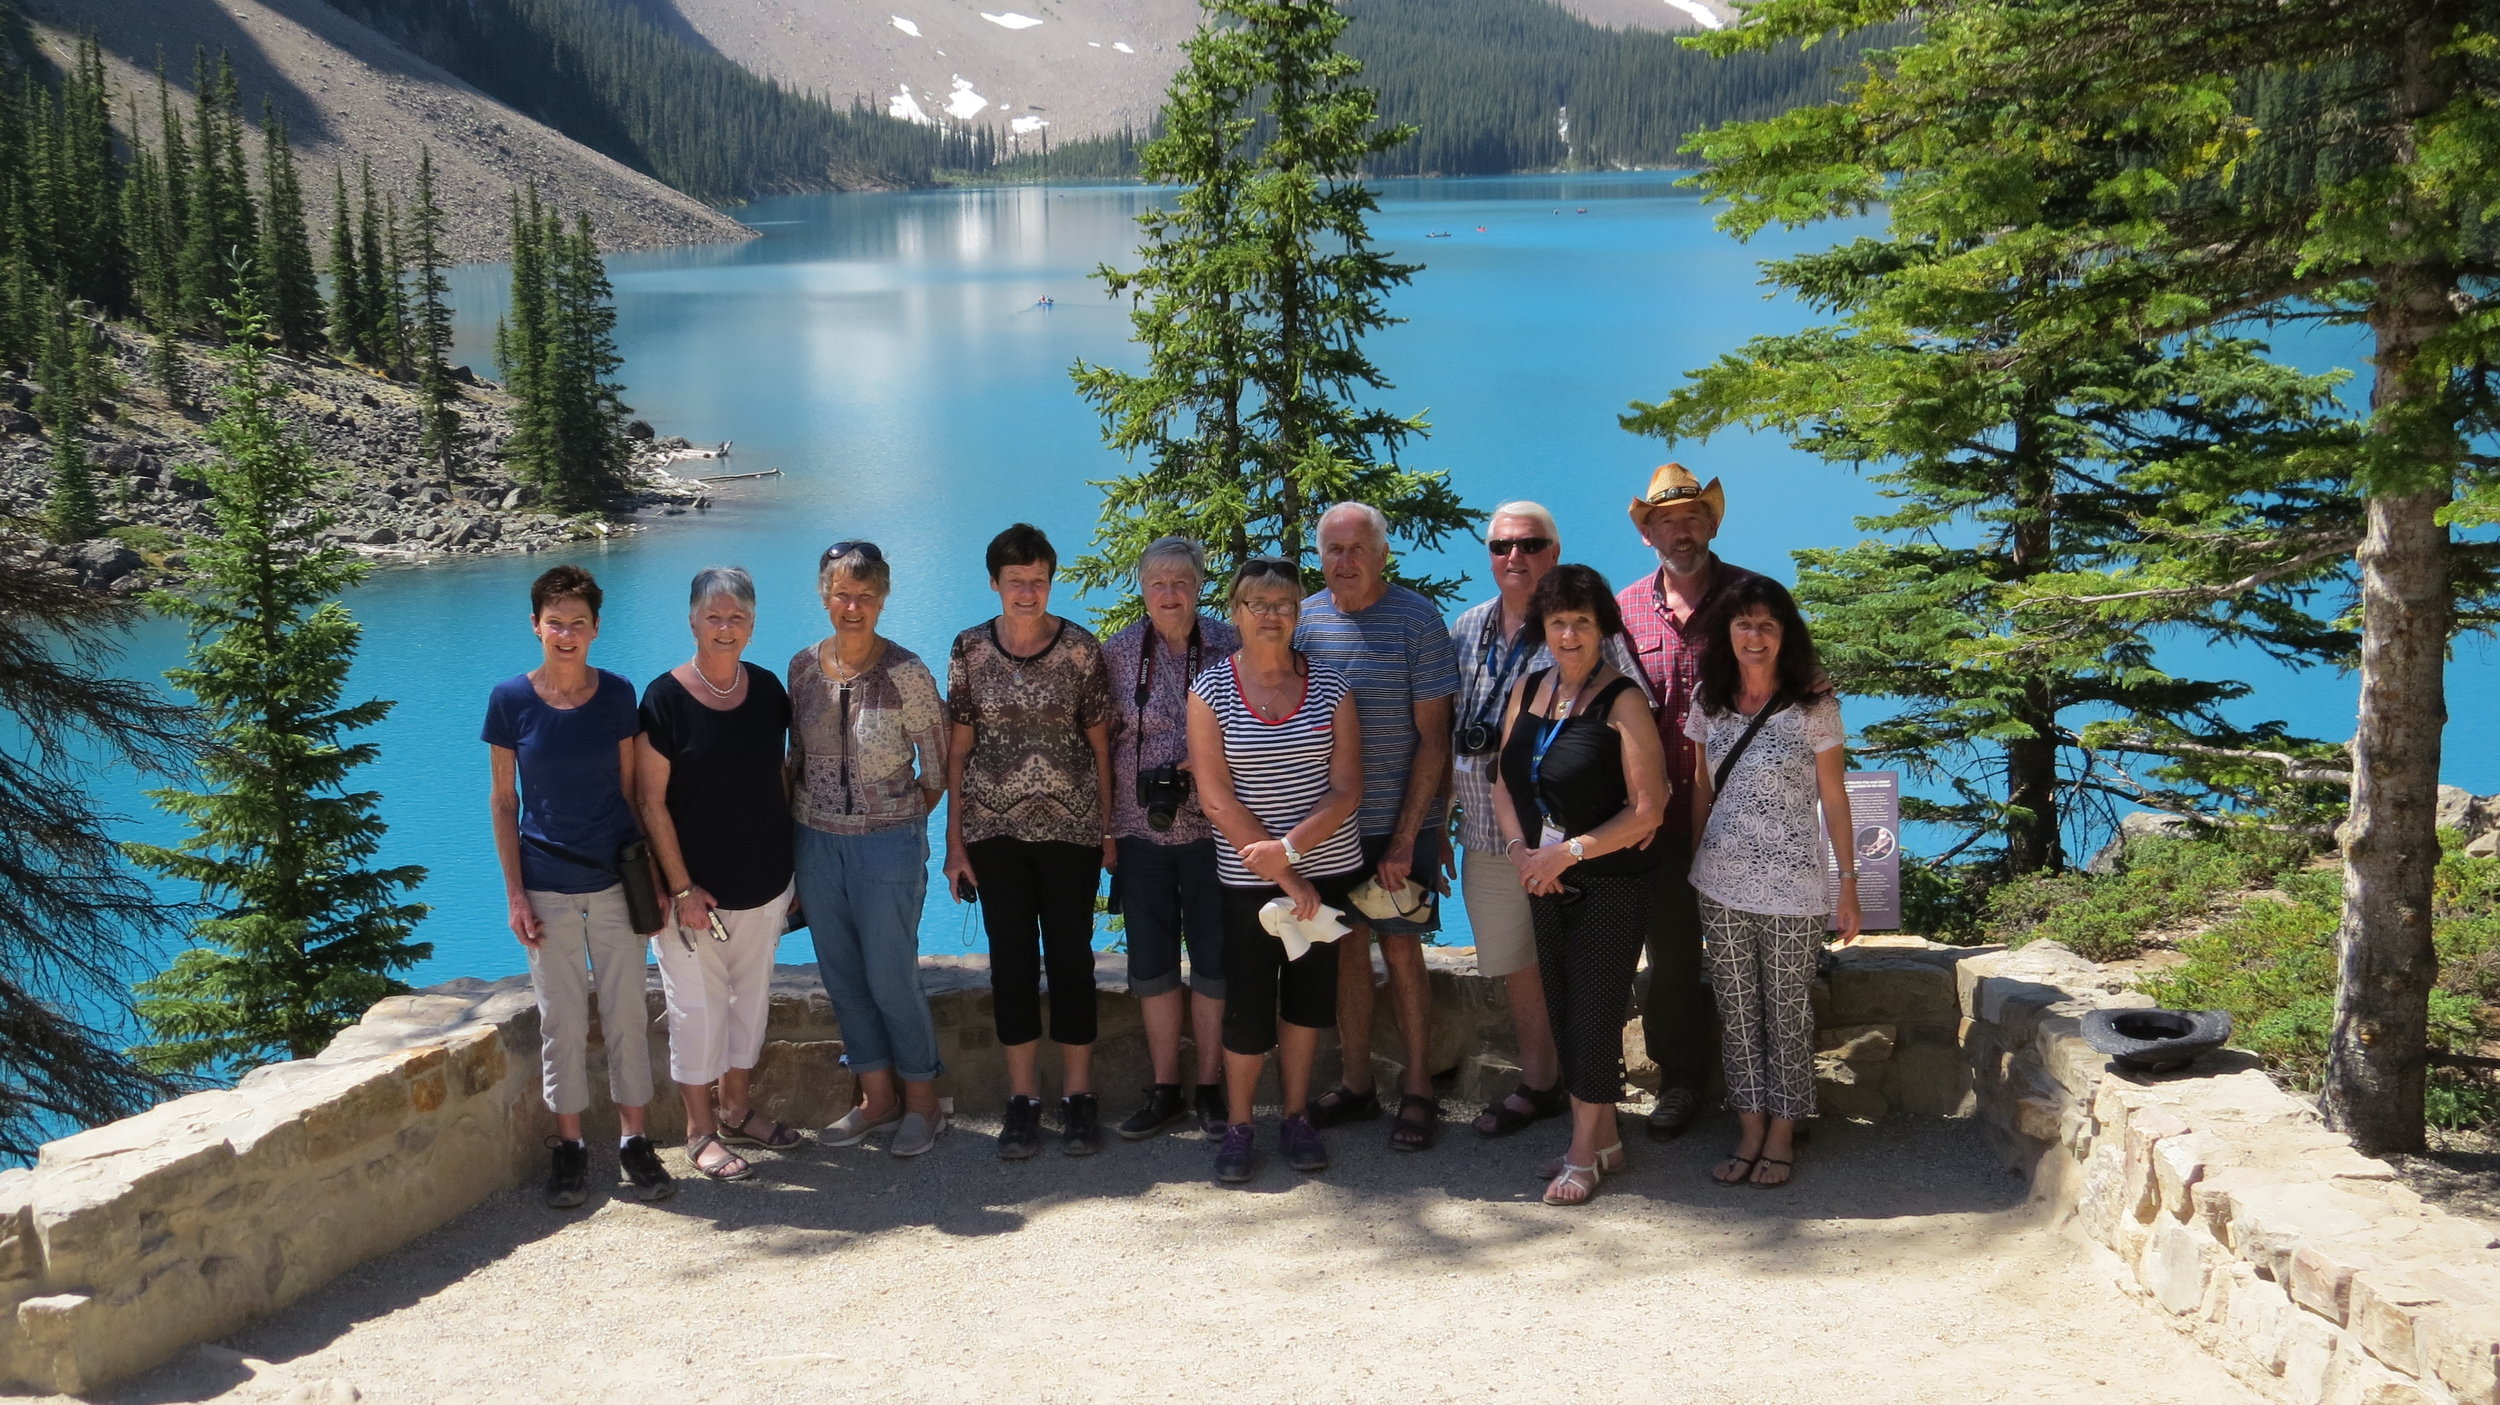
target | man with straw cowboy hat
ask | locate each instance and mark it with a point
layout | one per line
(1678, 516)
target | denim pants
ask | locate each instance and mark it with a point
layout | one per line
(862, 894)
(1170, 895)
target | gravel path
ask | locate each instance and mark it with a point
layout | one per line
(1900, 1266)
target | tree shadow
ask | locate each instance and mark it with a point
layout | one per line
(142, 32)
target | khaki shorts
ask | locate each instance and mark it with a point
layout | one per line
(1497, 908)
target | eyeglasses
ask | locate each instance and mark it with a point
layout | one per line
(1504, 546)
(867, 551)
(1271, 609)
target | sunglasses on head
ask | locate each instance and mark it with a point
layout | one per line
(867, 551)
(1504, 546)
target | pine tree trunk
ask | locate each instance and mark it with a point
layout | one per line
(2031, 838)
(2387, 964)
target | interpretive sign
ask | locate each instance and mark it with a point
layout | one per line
(1875, 817)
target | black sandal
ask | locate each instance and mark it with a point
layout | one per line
(1416, 1134)
(1501, 1119)
(1341, 1104)
(1762, 1161)
(1743, 1177)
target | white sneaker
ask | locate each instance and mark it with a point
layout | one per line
(917, 1135)
(854, 1128)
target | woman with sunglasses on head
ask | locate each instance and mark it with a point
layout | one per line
(1278, 753)
(867, 765)
(1166, 879)
(1029, 758)
(1583, 785)
(709, 774)
(1771, 747)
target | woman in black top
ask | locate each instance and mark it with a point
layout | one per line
(1582, 785)
(715, 810)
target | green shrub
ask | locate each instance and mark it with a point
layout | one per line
(2273, 966)
(145, 539)
(2162, 880)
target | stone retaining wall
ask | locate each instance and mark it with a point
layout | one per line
(2296, 1260)
(127, 1243)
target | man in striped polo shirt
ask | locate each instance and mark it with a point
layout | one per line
(1392, 646)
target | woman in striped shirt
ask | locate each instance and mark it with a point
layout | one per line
(1278, 757)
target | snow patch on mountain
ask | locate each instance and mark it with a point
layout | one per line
(906, 26)
(1701, 13)
(963, 104)
(1026, 126)
(901, 106)
(1010, 20)
(1123, 48)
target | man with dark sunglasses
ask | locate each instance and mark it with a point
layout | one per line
(1523, 545)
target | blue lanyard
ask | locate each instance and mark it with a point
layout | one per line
(1546, 733)
(1491, 708)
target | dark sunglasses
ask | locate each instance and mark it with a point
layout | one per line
(1504, 546)
(867, 551)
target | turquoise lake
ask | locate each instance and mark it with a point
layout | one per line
(887, 353)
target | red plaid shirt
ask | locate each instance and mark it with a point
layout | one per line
(1671, 661)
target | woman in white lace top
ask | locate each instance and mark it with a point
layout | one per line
(1770, 750)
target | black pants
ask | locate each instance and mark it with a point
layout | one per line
(1261, 986)
(1037, 904)
(1586, 951)
(1676, 1017)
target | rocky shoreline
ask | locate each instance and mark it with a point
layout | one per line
(386, 501)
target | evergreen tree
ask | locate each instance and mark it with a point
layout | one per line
(220, 228)
(72, 919)
(397, 356)
(350, 314)
(585, 413)
(306, 935)
(69, 377)
(430, 325)
(2023, 460)
(373, 275)
(2372, 212)
(290, 289)
(1273, 250)
(521, 346)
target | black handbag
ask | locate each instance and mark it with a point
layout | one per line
(640, 878)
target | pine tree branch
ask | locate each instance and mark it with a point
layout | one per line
(2294, 768)
(2341, 546)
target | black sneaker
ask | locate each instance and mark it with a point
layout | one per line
(1304, 1151)
(1162, 1108)
(568, 1182)
(645, 1178)
(1080, 1124)
(1237, 1160)
(1020, 1130)
(1214, 1112)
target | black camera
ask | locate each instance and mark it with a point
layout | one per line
(1162, 791)
(1479, 739)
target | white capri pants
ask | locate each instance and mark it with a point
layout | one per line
(720, 993)
(582, 934)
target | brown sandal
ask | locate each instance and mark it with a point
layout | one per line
(1416, 1133)
(736, 1168)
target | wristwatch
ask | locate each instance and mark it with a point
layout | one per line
(1292, 855)
(1577, 853)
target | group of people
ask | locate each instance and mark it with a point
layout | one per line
(1605, 774)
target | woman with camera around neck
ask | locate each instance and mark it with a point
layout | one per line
(1278, 755)
(1583, 787)
(709, 769)
(1771, 748)
(867, 763)
(1027, 834)
(1164, 851)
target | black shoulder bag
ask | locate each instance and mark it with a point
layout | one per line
(1718, 778)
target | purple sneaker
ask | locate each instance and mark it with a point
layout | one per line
(1235, 1161)
(1304, 1151)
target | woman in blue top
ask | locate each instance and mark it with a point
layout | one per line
(562, 736)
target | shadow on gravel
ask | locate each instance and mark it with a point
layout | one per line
(1901, 1187)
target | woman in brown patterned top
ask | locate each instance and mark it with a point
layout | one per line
(1029, 762)
(861, 707)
